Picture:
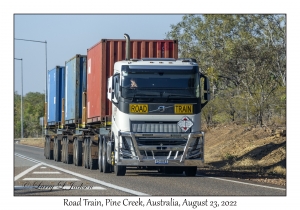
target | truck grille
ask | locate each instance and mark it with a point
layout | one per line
(156, 127)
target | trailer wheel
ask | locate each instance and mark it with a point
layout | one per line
(54, 149)
(120, 170)
(50, 151)
(86, 155)
(100, 154)
(78, 153)
(46, 148)
(105, 164)
(191, 171)
(74, 152)
(58, 150)
(92, 162)
(63, 151)
(68, 157)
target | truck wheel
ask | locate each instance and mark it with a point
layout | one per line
(46, 148)
(92, 162)
(86, 155)
(105, 164)
(78, 153)
(63, 151)
(74, 152)
(191, 171)
(120, 170)
(55, 149)
(83, 153)
(68, 157)
(50, 151)
(58, 150)
(100, 155)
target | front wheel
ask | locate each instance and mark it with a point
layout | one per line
(120, 170)
(105, 164)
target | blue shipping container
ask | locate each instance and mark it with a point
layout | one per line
(75, 85)
(56, 91)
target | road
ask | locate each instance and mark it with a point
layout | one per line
(35, 175)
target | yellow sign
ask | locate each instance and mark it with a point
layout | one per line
(183, 109)
(138, 108)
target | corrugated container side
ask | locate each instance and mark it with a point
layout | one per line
(56, 78)
(75, 84)
(101, 58)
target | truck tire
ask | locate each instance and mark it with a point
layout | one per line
(100, 154)
(58, 150)
(106, 167)
(92, 162)
(86, 154)
(78, 153)
(74, 151)
(69, 158)
(120, 170)
(46, 148)
(191, 171)
(63, 151)
(55, 149)
(50, 151)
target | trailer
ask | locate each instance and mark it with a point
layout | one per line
(126, 108)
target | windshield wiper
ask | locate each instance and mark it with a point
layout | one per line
(177, 95)
(141, 94)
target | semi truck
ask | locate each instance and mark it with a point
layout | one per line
(118, 108)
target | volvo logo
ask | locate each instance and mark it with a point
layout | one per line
(161, 108)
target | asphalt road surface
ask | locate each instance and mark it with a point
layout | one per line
(35, 175)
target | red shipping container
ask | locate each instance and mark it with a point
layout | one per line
(100, 66)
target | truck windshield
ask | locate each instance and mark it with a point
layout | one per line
(160, 84)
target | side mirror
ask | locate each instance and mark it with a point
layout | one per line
(109, 89)
(206, 89)
(113, 88)
(206, 93)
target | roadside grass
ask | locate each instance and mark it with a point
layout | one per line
(37, 142)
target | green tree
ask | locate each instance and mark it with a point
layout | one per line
(244, 57)
(33, 109)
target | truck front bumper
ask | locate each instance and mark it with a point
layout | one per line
(190, 154)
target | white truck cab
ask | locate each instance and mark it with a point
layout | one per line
(156, 115)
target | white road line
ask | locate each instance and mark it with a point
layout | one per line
(31, 146)
(57, 188)
(51, 179)
(256, 185)
(46, 172)
(27, 171)
(88, 178)
(43, 167)
(27, 158)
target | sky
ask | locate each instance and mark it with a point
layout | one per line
(68, 35)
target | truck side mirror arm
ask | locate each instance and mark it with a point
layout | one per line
(206, 93)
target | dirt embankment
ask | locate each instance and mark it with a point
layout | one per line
(245, 152)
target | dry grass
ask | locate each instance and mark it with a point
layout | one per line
(246, 149)
(37, 142)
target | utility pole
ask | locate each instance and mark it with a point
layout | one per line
(20, 59)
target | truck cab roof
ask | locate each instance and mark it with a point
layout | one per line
(155, 62)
